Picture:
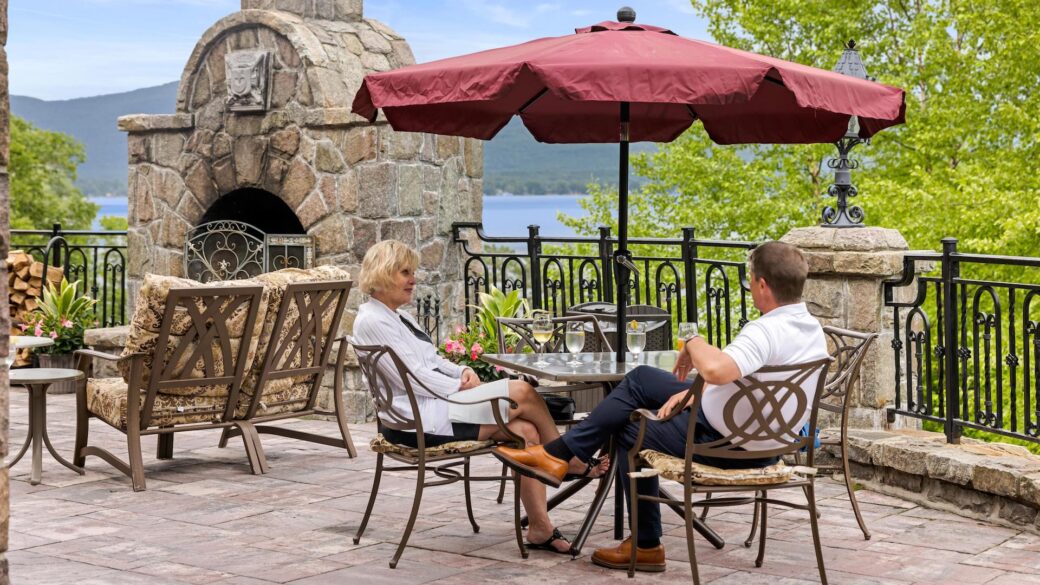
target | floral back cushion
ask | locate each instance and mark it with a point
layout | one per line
(143, 335)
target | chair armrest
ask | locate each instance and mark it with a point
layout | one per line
(642, 413)
(107, 356)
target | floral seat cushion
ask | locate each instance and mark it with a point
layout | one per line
(380, 445)
(107, 399)
(275, 284)
(284, 399)
(671, 467)
(143, 334)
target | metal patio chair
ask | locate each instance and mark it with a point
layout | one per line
(770, 423)
(190, 380)
(380, 365)
(297, 352)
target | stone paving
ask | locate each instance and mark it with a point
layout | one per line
(206, 520)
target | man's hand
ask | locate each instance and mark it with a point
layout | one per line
(672, 403)
(469, 379)
(683, 365)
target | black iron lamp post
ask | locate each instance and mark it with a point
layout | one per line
(843, 215)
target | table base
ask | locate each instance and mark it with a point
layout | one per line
(37, 435)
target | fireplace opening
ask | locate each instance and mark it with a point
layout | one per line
(260, 209)
(245, 233)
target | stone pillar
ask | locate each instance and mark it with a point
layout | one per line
(846, 271)
(5, 322)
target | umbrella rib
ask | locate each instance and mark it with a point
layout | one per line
(528, 103)
(689, 109)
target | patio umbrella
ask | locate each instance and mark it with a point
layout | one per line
(625, 82)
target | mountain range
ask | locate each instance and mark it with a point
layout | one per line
(513, 161)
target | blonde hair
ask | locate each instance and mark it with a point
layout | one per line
(382, 262)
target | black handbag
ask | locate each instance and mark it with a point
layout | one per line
(560, 407)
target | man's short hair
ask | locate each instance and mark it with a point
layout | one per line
(382, 262)
(784, 269)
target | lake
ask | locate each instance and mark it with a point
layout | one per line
(504, 215)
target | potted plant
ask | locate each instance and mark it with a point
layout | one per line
(63, 315)
(468, 343)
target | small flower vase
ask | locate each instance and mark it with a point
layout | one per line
(60, 360)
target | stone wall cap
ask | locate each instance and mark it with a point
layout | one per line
(106, 336)
(864, 239)
(156, 122)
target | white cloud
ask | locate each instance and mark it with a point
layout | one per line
(501, 13)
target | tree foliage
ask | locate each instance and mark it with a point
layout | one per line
(43, 170)
(963, 165)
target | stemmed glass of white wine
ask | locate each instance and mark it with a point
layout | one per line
(542, 332)
(636, 338)
(575, 341)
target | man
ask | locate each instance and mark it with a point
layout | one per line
(785, 334)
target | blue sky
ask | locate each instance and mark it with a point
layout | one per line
(62, 49)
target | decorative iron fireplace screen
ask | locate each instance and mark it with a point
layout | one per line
(233, 250)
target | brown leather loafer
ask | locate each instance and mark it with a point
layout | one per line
(534, 462)
(650, 560)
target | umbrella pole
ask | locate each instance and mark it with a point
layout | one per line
(622, 258)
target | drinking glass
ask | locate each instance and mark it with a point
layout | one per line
(542, 332)
(685, 331)
(575, 340)
(636, 338)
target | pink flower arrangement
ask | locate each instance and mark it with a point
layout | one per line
(466, 345)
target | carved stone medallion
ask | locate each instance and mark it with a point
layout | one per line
(248, 80)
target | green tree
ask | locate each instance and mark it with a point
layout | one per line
(963, 165)
(43, 171)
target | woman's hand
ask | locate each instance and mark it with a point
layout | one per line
(469, 379)
(672, 403)
(683, 365)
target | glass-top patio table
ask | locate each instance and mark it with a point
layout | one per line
(602, 368)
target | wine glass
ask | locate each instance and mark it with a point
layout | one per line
(575, 341)
(541, 331)
(636, 338)
(686, 330)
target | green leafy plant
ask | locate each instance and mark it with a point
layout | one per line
(467, 344)
(63, 315)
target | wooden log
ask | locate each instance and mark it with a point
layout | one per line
(30, 305)
(21, 285)
(34, 291)
(18, 297)
(36, 269)
(55, 274)
(18, 259)
(23, 272)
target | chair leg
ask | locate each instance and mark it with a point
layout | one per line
(371, 498)
(135, 459)
(224, 436)
(469, 500)
(164, 450)
(810, 495)
(704, 510)
(764, 519)
(516, 516)
(341, 419)
(502, 484)
(852, 492)
(754, 525)
(82, 428)
(633, 519)
(690, 546)
(420, 483)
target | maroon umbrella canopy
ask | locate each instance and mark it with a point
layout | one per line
(623, 82)
(567, 90)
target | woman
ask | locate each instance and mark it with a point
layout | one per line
(388, 277)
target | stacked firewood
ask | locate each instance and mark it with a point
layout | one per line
(25, 284)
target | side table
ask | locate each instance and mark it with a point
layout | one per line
(37, 380)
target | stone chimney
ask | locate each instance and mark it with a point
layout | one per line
(344, 10)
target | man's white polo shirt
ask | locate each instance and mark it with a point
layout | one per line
(785, 336)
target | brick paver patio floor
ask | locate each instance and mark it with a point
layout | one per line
(206, 520)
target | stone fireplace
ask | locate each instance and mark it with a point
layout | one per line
(262, 134)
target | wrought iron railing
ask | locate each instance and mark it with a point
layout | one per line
(967, 345)
(704, 281)
(96, 258)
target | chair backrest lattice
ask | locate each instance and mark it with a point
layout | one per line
(301, 338)
(770, 406)
(519, 329)
(848, 350)
(204, 354)
(384, 371)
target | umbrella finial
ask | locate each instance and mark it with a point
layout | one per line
(626, 14)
